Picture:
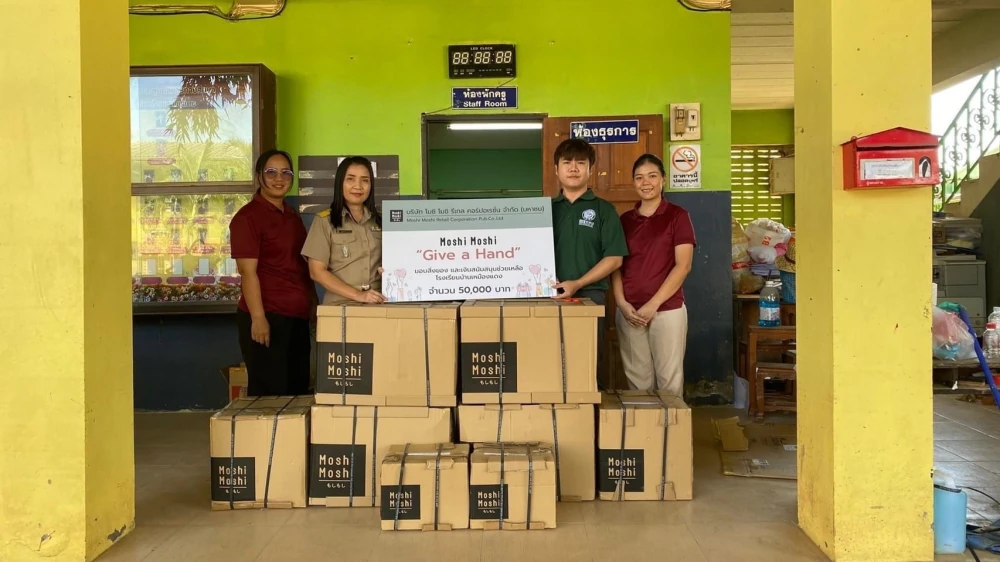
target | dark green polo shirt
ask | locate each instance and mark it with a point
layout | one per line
(586, 231)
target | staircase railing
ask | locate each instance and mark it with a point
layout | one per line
(973, 133)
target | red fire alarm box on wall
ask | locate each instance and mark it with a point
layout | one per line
(898, 157)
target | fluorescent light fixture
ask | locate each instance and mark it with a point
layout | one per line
(498, 126)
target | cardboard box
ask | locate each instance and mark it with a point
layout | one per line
(512, 487)
(430, 485)
(630, 455)
(393, 355)
(569, 427)
(236, 380)
(258, 449)
(764, 450)
(549, 352)
(348, 444)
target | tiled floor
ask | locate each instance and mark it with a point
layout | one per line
(731, 519)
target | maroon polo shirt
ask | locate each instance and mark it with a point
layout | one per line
(274, 237)
(651, 244)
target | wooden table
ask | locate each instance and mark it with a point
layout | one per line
(947, 373)
(746, 313)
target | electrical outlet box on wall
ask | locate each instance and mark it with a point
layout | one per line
(782, 176)
(685, 121)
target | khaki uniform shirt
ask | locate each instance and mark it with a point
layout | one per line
(352, 252)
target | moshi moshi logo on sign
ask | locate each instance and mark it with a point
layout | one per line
(630, 468)
(234, 476)
(331, 471)
(482, 364)
(408, 499)
(340, 366)
(396, 215)
(484, 502)
(588, 217)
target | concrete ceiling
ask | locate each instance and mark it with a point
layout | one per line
(763, 55)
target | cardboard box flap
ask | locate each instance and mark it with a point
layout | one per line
(436, 310)
(730, 433)
(369, 412)
(427, 455)
(515, 456)
(265, 407)
(527, 308)
(632, 400)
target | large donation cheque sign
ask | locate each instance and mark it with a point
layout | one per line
(467, 249)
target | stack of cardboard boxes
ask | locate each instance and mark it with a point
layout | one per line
(529, 376)
(378, 432)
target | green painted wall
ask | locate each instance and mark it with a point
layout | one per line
(354, 76)
(485, 170)
(764, 127)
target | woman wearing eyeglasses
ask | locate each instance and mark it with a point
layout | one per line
(267, 237)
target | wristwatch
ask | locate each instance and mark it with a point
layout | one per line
(366, 287)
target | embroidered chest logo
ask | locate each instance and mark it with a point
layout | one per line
(588, 217)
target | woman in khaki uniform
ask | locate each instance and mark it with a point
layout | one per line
(344, 245)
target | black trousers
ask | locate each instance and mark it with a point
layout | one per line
(282, 369)
(599, 297)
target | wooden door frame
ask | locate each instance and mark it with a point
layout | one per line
(428, 118)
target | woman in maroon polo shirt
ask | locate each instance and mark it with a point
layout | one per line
(274, 310)
(652, 318)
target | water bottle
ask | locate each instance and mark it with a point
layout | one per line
(770, 305)
(995, 316)
(991, 342)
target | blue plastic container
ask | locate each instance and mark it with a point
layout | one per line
(787, 287)
(949, 520)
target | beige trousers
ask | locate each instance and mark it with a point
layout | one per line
(655, 354)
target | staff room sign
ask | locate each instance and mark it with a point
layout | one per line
(442, 250)
(606, 132)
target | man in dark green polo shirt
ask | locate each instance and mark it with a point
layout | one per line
(589, 240)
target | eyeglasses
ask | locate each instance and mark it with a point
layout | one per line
(273, 174)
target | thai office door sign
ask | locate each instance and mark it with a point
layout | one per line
(447, 250)
(484, 98)
(606, 132)
(685, 166)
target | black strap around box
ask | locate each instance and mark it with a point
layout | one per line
(437, 486)
(343, 354)
(270, 451)
(503, 481)
(399, 487)
(562, 350)
(531, 485)
(427, 359)
(374, 448)
(354, 435)
(555, 452)
(232, 446)
(503, 367)
(666, 431)
(620, 486)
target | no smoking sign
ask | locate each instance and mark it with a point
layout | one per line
(685, 166)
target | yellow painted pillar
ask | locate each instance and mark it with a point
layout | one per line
(67, 488)
(864, 277)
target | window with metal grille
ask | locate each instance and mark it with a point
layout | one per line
(751, 179)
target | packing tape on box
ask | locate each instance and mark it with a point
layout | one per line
(503, 367)
(666, 433)
(374, 449)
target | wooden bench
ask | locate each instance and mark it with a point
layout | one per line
(759, 338)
